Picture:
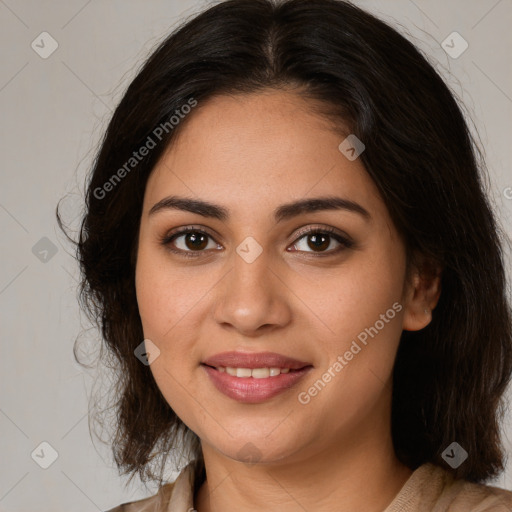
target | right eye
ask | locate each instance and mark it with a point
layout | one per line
(187, 241)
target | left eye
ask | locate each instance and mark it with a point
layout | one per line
(320, 241)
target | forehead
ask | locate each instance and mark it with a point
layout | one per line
(258, 149)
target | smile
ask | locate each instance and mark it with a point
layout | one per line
(257, 373)
(254, 385)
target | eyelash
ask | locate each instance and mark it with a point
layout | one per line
(345, 242)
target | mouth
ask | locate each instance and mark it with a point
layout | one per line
(255, 373)
(254, 378)
(237, 363)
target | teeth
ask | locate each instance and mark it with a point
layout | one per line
(257, 373)
(243, 372)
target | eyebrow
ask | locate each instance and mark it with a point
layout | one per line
(281, 213)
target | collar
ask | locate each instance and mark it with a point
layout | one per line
(185, 486)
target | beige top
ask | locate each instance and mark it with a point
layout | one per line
(429, 489)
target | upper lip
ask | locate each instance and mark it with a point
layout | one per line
(254, 360)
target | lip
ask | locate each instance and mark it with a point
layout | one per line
(248, 389)
(255, 360)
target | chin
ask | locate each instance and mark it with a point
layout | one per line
(257, 450)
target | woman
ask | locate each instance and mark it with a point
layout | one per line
(290, 254)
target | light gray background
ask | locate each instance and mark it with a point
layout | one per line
(53, 112)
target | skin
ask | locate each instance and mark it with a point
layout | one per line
(251, 154)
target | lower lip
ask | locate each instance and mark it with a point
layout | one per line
(250, 390)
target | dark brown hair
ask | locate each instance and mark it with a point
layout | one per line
(449, 378)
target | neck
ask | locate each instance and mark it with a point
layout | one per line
(361, 475)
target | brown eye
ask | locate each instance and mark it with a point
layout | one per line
(192, 242)
(189, 241)
(322, 241)
(195, 241)
(318, 241)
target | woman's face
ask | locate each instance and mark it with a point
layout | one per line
(257, 282)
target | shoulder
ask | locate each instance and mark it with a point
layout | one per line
(481, 498)
(157, 503)
(171, 497)
(432, 487)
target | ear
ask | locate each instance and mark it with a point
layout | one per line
(422, 292)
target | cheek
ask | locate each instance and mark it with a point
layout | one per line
(372, 322)
(151, 296)
(163, 301)
(351, 298)
(165, 295)
(169, 303)
(362, 306)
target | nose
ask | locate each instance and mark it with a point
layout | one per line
(253, 298)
